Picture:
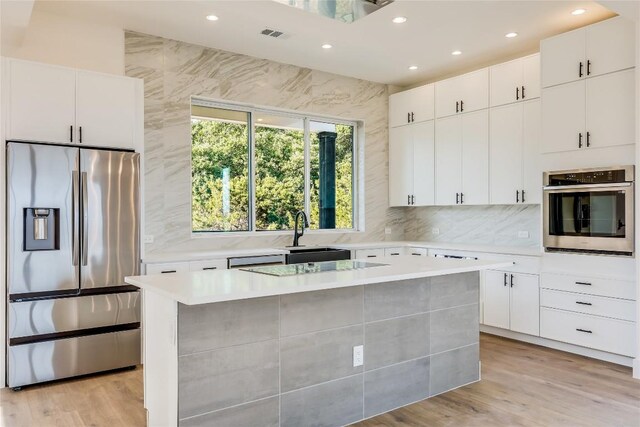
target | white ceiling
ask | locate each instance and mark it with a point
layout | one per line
(372, 48)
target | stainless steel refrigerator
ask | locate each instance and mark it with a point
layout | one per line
(72, 237)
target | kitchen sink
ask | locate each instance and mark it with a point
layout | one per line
(300, 254)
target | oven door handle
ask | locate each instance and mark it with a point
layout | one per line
(562, 188)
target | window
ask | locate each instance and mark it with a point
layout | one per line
(253, 169)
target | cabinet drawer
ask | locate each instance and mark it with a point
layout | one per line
(168, 267)
(417, 251)
(393, 251)
(600, 333)
(589, 285)
(369, 253)
(213, 264)
(589, 304)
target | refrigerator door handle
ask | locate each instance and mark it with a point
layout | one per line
(85, 220)
(75, 245)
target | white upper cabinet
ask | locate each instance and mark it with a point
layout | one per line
(62, 105)
(411, 106)
(516, 80)
(41, 104)
(411, 165)
(563, 117)
(106, 110)
(462, 159)
(462, 94)
(515, 174)
(598, 49)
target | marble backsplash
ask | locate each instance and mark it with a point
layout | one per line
(174, 71)
(479, 225)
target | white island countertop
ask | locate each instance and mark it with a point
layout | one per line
(205, 287)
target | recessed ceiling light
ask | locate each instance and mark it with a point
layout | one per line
(456, 53)
(578, 11)
(327, 46)
(399, 20)
(511, 35)
(212, 18)
(413, 67)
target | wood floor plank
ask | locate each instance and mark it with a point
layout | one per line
(522, 385)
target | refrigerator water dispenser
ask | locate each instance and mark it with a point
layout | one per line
(41, 229)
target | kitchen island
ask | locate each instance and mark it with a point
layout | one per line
(239, 348)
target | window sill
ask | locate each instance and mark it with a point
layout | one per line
(275, 233)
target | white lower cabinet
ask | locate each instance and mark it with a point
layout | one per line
(167, 268)
(511, 301)
(394, 251)
(417, 251)
(213, 264)
(369, 253)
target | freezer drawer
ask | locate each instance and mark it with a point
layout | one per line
(69, 314)
(52, 360)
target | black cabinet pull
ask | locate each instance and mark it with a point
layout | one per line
(505, 279)
(588, 67)
(412, 119)
(588, 138)
(461, 198)
(457, 198)
(80, 134)
(408, 199)
(395, 253)
(71, 133)
(517, 196)
(408, 117)
(583, 283)
(210, 268)
(580, 140)
(457, 111)
(583, 303)
(522, 92)
(511, 280)
(580, 70)
(517, 93)
(372, 256)
(413, 199)
(415, 253)
(522, 196)
(584, 330)
(168, 271)
(461, 106)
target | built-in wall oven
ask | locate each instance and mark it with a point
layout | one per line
(589, 210)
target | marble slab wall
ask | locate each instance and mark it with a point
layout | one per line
(478, 225)
(174, 71)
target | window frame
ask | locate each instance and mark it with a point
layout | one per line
(251, 110)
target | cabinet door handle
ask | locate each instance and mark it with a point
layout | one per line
(511, 280)
(413, 199)
(583, 283)
(372, 256)
(505, 279)
(584, 330)
(522, 92)
(583, 303)
(408, 117)
(588, 67)
(588, 138)
(580, 69)
(461, 198)
(457, 198)
(517, 196)
(457, 103)
(580, 140)
(209, 268)
(517, 93)
(461, 106)
(71, 133)
(80, 134)
(415, 253)
(168, 271)
(412, 119)
(408, 199)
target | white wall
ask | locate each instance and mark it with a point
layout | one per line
(56, 39)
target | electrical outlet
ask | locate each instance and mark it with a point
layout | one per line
(148, 238)
(358, 355)
(435, 231)
(523, 234)
(387, 230)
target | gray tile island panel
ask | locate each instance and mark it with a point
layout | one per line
(288, 360)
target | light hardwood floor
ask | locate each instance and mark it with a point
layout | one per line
(522, 385)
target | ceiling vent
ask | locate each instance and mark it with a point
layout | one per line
(273, 33)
